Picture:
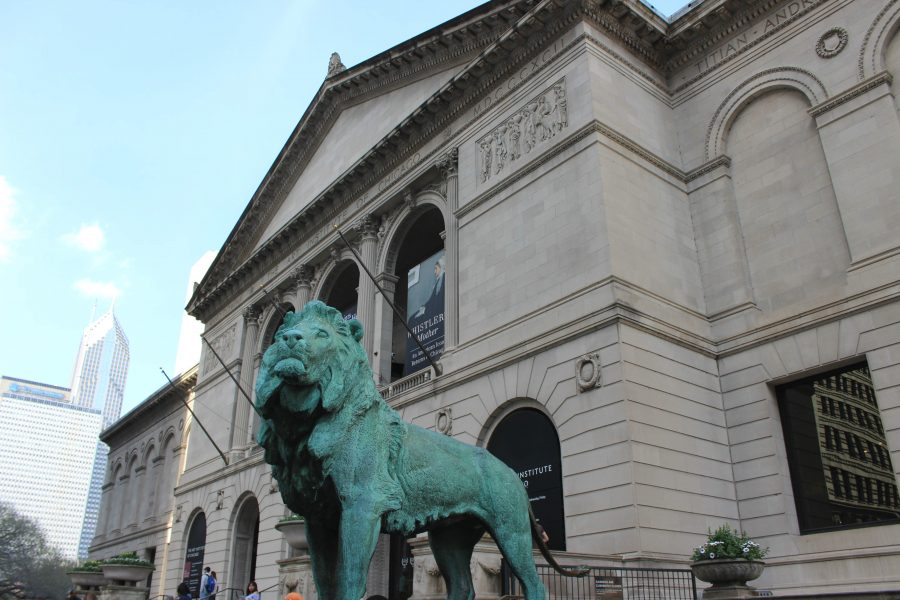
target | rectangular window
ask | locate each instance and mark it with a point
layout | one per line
(854, 484)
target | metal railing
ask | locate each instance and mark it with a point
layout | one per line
(610, 583)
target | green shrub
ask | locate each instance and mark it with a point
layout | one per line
(127, 558)
(727, 543)
(88, 566)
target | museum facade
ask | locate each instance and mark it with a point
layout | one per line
(657, 261)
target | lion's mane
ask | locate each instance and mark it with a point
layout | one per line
(303, 418)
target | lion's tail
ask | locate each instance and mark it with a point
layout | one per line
(545, 551)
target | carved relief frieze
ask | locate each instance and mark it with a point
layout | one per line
(520, 134)
(222, 345)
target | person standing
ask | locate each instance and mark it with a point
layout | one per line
(211, 584)
(184, 592)
(204, 594)
(252, 593)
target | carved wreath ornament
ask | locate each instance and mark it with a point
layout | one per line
(832, 42)
(540, 120)
(587, 372)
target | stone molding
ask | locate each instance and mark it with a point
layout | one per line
(529, 34)
(744, 19)
(778, 77)
(883, 78)
(873, 50)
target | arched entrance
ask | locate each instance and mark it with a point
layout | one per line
(527, 441)
(244, 543)
(195, 549)
(341, 291)
(419, 267)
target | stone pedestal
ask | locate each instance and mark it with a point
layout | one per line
(295, 575)
(428, 584)
(123, 592)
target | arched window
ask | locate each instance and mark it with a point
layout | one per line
(527, 441)
(195, 549)
(245, 541)
(419, 267)
(341, 288)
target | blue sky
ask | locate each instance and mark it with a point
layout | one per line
(132, 135)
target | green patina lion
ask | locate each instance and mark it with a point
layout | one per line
(352, 467)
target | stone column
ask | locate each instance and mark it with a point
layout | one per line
(302, 277)
(860, 135)
(248, 351)
(448, 166)
(382, 332)
(365, 301)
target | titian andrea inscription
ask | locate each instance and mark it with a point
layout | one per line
(760, 28)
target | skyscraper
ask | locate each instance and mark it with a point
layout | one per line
(98, 382)
(47, 453)
(101, 367)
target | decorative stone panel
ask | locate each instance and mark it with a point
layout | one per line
(537, 122)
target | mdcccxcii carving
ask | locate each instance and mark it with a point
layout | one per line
(540, 120)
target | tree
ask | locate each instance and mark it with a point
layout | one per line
(29, 566)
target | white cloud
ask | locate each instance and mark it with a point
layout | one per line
(98, 289)
(8, 230)
(89, 238)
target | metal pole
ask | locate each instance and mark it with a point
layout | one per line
(187, 406)
(230, 374)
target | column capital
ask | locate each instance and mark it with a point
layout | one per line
(447, 163)
(251, 314)
(302, 274)
(367, 227)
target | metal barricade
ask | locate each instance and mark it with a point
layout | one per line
(609, 583)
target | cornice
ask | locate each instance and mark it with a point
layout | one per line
(438, 46)
(511, 49)
(184, 384)
(491, 41)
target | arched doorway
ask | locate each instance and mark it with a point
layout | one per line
(527, 441)
(342, 288)
(195, 548)
(419, 268)
(244, 544)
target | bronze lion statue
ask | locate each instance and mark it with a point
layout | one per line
(352, 467)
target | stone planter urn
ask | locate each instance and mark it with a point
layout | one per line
(86, 580)
(294, 532)
(129, 575)
(728, 577)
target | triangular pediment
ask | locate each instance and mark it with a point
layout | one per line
(365, 119)
(353, 133)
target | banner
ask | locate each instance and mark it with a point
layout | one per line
(425, 311)
(193, 556)
(527, 442)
